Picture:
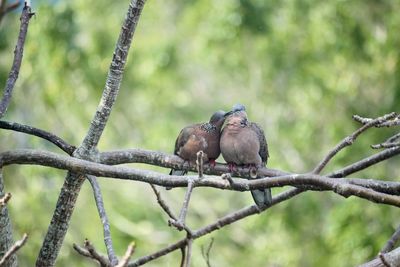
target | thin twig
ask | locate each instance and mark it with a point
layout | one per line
(4, 8)
(128, 254)
(39, 133)
(392, 241)
(390, 142)
(365, 163)
(188, 252)
(104, 219)
(90, 252)
(162, 203)
(224, 221)
(18, 54)
(12, 250)
(392, 122)
(180, 223)
(5, 199)
(386, 145)
(350, 139)
(206, 253)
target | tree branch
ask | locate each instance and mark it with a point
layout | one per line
(18, 54)
(163, 204)
(224, 221)
(340, 186)
(392, 241)
(73, 182)
(128, 254)
(104, 219)
(392, 259)
(206, 252)
(69, 149)
(13, 250)
(90, 252)
(393, 122)
(114, 78)
(350, 139)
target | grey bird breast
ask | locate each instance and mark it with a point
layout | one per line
(240, 146)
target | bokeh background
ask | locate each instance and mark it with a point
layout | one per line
(302, 68)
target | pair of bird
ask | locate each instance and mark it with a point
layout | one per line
(241, 142)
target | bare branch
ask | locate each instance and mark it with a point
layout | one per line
(386, 145)
(162, 203)
(73, 182)
(206, 252)
(391, 259)
(4, 8)
(226, 220)
(104, 219)
(90, 252)
(39, 133)
(114, 78)
(390, 142)
(350, 139)
(180, 223)
(128, 254)
(172, 161)
(392, 241)
(5, 199)
(188, 252)
(17, 245)
(26, 156)
(392, 122)
(18, 54)
(383, 259)
(365, 163)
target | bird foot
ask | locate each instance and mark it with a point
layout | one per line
(232, 167)
(212, 163)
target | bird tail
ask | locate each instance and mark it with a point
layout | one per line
(262, 197)
(176, 172)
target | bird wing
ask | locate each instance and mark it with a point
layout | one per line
(263, 152)
(183, 137)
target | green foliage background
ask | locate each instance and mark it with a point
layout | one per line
(302, 68)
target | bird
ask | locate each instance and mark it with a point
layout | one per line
(243, 143)
(201, 136)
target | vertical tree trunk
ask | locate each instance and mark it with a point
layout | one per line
(6, 238)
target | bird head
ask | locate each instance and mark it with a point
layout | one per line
(218, 118)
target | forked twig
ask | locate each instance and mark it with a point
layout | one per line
(90, 252)
(347, 141)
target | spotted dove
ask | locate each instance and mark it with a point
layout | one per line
(243, 143)
(201, 136)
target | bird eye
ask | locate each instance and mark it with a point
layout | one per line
(243, 122)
